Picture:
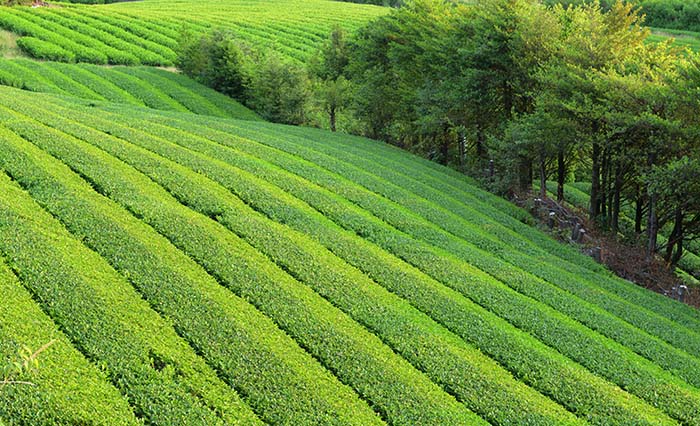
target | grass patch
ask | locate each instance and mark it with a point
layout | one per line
(8, 45)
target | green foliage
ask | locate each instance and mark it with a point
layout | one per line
(216, 60)
(328, 72)
(200, 308)
(16, 2)
(92, 304)
(95, 1)
(65, 387)
(675, 14)
(532, 89)
(205, 270)
(392, 3)
(278, 90)
(332, 58)
(337, 242)
(673, 183)
(27, 363)
(270, 84)
(41, 49)
(318, 268)
(671, 14)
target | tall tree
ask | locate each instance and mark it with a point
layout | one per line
(328, 69)
(591, 41)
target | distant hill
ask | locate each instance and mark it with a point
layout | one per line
(147, 32)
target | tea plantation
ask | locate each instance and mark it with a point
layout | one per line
(169, 258)
(199, 270)
(148, 32)
(142, 86)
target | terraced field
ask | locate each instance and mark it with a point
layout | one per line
(142, 86)
(200, 270)
(683, 39)
(147, 32)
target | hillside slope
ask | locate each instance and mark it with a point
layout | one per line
(578, 195)
(223, 271)
(141, 86)
(147, 32)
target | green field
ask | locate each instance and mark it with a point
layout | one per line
(203, 270)
(683, 39)
(147, 32)
(141, 86)
(191, 264)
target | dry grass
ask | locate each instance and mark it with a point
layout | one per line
(8, 45)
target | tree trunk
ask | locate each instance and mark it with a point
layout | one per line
(679, 254)
(524, 174)
(331, 114)
(561, 175)
(445, 148)
(615, 218)
(652, 227)
(671, 243)
(444, 152)
(543, 176)
(638, 214)
(603, 194)
(480, 142)
(595, 181)
(653, 222)
(675, 240)
(610, 192)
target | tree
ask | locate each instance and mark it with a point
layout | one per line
(278, 90)
(218, 60)
(332, 96)
(571, 83)
(677, 187)
(328, 69)
(387, 69)
(275, 87)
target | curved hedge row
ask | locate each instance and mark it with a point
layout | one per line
(396, 390)
(247, 350)
(152, 87)
(161, 376)
(598, 355)
(318, 276)
(461, 369)
(67, 387)
(147, 32)
(460, 197)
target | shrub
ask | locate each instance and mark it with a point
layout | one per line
(41, 49)
(279, 90)
(275, 87)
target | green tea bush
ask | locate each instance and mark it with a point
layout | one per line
(217, 210)
(41, 49)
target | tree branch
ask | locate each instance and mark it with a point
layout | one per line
(38, 351)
